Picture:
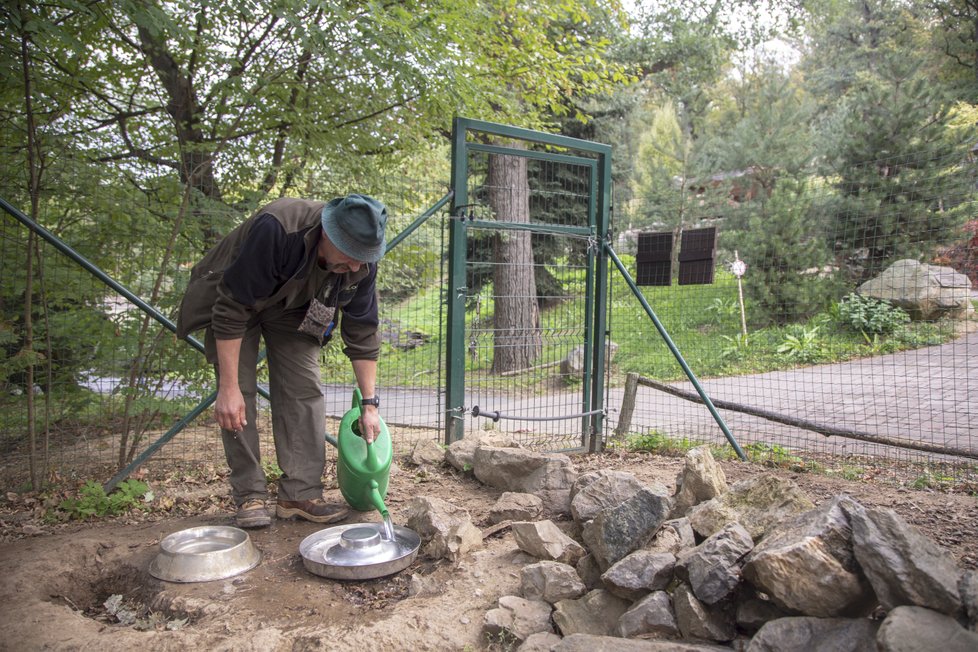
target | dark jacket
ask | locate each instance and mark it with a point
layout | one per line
(271, 259)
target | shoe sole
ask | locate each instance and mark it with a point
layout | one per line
(295, 512)
(253, 521)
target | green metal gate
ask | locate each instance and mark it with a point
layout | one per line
(527, 286)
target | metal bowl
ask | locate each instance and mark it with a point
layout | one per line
(203, 554)
(359, 551)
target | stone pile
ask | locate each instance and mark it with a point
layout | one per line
(752, 566)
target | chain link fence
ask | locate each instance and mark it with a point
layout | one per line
(830, 316)
(795, 351)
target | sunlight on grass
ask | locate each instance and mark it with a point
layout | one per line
(702, 320)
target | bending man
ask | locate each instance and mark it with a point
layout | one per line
(288, 275)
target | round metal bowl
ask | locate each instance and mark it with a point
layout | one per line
(202, 554)
(359, 551)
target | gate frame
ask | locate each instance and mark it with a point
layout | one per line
(599, 209)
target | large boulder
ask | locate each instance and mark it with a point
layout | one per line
(550, 581)
(700, 480)
(617, 531)
(597, 612)
(807, 633)
(903, 566)
(808, 565)
(652, 616)
(592, 643)
(461, 453)
(713, 568)
(549, 476)
(445, 529)
(640, 573)
(758, 503)
(573, 364)
(926, 292)
(599, 490)
(518, 618)
(544, 540)
(910, 629)
(513, 506)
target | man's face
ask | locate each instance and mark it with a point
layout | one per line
(334, 260)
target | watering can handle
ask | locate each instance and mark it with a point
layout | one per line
(373, 464)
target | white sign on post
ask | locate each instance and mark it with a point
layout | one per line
(739, 268)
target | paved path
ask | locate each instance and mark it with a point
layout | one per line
(928, 394)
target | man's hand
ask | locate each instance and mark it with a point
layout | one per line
(229, 409)
(369, 423)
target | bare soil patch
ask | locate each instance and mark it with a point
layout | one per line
(58, 577)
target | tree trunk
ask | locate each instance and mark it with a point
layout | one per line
(197, 160)
(517, 342)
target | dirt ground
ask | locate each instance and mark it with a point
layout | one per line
(56, 578)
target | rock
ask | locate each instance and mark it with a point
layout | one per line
(544, 540)
(757, 503)
(539, 642)
(697, 620)
(674, 536)
(591, 643)
(926, 292)
(807, 565)
(427, 452)
(911, 629)
(617, 531)
(903, 566)
(595, 613)
(753, 611)
(573, 364)
(517, 618)
(513, 506)
(639, 573)
(461, 453)
(551, 582)
(589, 572)
(599, 490)
(547, 475)
(445, 530)
(713, 568)
(651, 616)
(968, 588)
(701, 479)
(816, 634)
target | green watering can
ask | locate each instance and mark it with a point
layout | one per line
(362, 469)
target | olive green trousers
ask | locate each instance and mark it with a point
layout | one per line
(298, 409)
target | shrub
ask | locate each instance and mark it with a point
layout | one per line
(870, 316)
(93, 501)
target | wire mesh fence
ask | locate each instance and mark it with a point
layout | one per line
(90, 382)
(852, 330)
(529, 297)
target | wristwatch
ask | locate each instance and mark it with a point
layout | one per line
(375, 401)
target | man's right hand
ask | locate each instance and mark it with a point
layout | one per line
(229, 409)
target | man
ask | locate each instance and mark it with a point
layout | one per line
(286, 275)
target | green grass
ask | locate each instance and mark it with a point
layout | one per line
(702, 320)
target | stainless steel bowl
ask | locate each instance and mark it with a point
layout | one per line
(359, 551)
(203, 554)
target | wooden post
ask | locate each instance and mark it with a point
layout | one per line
(627, 406)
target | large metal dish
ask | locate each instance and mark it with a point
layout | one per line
(203, 554)
(359, 551)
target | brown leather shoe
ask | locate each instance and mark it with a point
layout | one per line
(252, 513)
(317, 510)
